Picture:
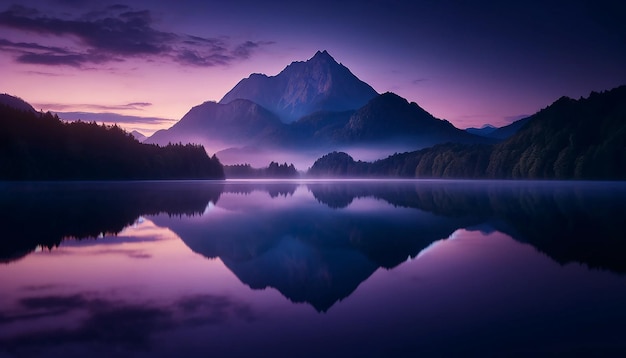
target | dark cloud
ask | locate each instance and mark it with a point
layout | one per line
(39, 287)
(24, 46)
(212, 309)
(75, 60)
(140, 104)
(245, 49)
(114, 34)
(191, 57)
(53, 302)
(36, 307)
(109, 322)
(112, 324)
(33, 53)
(130, 253)
(419, 81)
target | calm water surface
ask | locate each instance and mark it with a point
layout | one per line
(312, 269)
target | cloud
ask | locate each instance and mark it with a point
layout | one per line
(41, 73)
(122, 326)
(93, 107)
(114, 34)
(74, 60)
(204, 309)
(33, 53)
(128, 325)
(245, 49)
(111, 118)
(140, 104)
(24, 46)
(419, 81)
(39, 287)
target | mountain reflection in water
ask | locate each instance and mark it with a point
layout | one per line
(316, 243)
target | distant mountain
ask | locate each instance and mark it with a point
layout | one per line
(570, 139)
(139, 136)
(302, 88)
(502, 133)
(508, 130)
(483, 131)
(218, 126)
(15, 102)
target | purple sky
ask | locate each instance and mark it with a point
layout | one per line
(469, 62)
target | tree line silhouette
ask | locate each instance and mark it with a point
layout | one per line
(39, 146)
(274, 170)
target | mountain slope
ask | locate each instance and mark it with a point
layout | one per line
(390, 117)
(138, 135)
(15, 102)
(217, 126)
(508, 130)
(302, 88)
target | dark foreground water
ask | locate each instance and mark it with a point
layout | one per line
(312, 269)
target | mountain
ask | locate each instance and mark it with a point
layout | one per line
(320, 127)
(502, 133)
(508, 130)
(139, 136)
(15, 102)
(218, 126)
(582, 139)
(337, 111)
(391, 118)
(570, 139)
(483, 131)
(302, 88)
(243, 131)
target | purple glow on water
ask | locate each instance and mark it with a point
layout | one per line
(367, 268)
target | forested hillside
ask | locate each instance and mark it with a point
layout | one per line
(570, 139)
(39, 146)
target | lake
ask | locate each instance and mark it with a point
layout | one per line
(312, 269)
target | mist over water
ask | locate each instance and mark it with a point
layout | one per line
(369, 268)
(303, 158)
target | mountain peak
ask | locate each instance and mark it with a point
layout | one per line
(302, 88)
(322, 55)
